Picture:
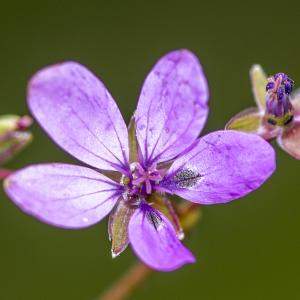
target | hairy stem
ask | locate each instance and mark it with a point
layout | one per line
(128, 283)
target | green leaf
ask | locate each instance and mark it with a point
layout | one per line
(259, 80)
(118, 227)
(248, 120)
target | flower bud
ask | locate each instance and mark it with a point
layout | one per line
(13, 138)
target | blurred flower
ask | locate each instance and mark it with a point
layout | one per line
(277, 114)
(133, 169)
(13, 137)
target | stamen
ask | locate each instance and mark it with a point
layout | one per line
(142, 180)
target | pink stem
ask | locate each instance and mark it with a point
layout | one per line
(123, 288)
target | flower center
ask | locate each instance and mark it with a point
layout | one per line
(279, 110)
(141, 181)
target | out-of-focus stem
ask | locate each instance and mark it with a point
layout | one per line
(128, 283)
(135, 276)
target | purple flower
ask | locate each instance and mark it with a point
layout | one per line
(160, 154)
(277, 114)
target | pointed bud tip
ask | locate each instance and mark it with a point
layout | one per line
(181, 235)
(255, 68)
(114, 254)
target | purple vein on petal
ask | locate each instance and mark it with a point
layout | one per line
(174, 142)
(63, 195)
(87, 194)
(116, 167)
(174, 92)
(97, 206)
(117, 134)
(85, 111)
(97, 138)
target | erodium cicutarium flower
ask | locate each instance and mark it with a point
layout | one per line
(159, 155)
(277, 114)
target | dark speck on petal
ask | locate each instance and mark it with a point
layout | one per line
(187, 177)
(154, 218)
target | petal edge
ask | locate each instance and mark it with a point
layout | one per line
(172, 107)
(63, 195)
(157, 244)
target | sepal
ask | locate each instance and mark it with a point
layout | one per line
(259, 81)
(289, 140)
(133, 143)
(248, 120)
(118, 227)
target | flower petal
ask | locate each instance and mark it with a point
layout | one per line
(172, 108)
(259, 80)
(154, 240)
(63, 195)
(290, 140)
(222, 166)
(164, 205)
(77, 111)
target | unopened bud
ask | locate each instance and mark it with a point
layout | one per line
(279, 110)
(13, 138)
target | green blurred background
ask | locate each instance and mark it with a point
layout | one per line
(247, 249)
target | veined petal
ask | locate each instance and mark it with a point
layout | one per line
(172, 107)
(222, 166)
(63, 195)
(154, 240)
(259, 80)
(289, 140)
(77, 111)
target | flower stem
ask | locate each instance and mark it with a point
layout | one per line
(4, 173)
(128, 283)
